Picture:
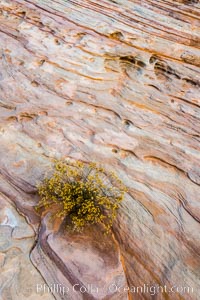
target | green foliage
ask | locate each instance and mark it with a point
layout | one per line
(83, 193)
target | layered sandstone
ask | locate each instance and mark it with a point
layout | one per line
(117, 82)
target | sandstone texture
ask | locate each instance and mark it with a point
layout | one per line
(116, 82)
(19, 278)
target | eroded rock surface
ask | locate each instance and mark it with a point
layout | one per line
(19, 278)
(88, 265)
(116, 82)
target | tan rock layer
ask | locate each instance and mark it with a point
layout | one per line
(116, 82)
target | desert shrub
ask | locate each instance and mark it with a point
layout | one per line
(84, 194)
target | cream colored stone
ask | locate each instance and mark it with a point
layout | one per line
(115, 82)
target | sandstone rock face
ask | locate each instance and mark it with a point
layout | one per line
(19, 278)
(117, 82)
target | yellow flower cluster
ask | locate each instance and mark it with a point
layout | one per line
(84, 193)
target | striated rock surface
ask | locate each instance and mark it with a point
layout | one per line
(87, 265)
(117, 82)
(19, 278)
